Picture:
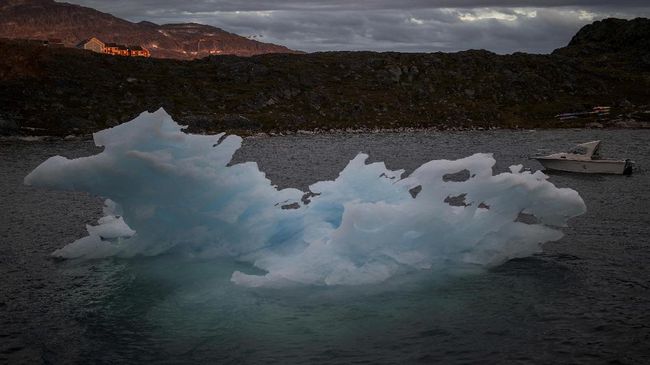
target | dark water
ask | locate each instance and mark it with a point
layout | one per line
(586, 299)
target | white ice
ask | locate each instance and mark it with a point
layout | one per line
(173, 192)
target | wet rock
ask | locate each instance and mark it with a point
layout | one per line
(291, 206)
(74, 123)
(8, 127)
(288, 93)
(271, 101)
(238, 122)
(624, 103)
(630, 123)
(594, 125)
(198, 123)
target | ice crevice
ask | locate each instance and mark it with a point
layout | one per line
(176, 193)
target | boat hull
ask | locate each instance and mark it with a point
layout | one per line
(617, 167)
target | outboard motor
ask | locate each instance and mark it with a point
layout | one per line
(629, 164)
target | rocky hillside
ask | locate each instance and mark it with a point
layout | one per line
(64, 91)
(612, 40)
(43, 19)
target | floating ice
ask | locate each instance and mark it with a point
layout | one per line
(172, 192)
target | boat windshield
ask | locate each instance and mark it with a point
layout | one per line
(579, 150)
(596, 154)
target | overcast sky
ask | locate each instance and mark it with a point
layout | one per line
(502, 26)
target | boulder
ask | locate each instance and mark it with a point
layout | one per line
(8, 127)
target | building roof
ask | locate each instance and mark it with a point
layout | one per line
(85, 41)
(82, 43)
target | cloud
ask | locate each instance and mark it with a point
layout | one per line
(501, 26)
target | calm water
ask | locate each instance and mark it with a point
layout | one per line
(586, 299)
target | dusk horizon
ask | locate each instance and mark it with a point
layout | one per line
(502, 27)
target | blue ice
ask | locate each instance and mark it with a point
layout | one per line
(175, 193)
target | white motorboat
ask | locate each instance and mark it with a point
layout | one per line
(585, 158)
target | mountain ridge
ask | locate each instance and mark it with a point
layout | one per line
(43, 19)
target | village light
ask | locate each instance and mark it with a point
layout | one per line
(95, 45)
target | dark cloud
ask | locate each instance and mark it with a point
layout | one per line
(502, 26)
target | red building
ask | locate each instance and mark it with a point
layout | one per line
(138, 51)
(116, 49)
(95, 45)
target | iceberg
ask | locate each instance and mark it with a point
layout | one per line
(170, 192)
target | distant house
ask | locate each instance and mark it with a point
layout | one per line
(123, 50)
(116, 49)
(138, 51)
(111, 48)
(95, 45)
(92, 44)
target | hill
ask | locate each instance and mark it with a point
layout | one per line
(43, 19)
(63, 91)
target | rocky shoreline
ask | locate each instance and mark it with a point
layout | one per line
(19, 137)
